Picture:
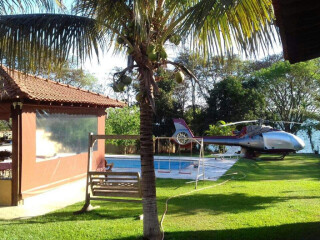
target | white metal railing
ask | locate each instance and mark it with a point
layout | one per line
(199, 160)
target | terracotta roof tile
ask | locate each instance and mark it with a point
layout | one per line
(15, 84)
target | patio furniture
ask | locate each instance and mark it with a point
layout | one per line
(125, 185)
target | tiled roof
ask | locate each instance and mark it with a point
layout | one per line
(16, 85)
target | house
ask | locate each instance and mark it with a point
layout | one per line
(50, 126)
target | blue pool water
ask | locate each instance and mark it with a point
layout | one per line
(134, 163)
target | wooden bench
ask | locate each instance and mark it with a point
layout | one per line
(107, 185)
(112, 186)
(104, 185)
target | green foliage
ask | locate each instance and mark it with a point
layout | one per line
(13, 6)
(5, 125)
(196, 118)
(75, 77)
(290, 91)
(123, 121)
(29, 41)
(231, 101)
(166, 104)
(310, 127)
(128, 82)
(218, 130)
(203, 21)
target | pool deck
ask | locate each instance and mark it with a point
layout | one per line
(213, 168)
(46, 202)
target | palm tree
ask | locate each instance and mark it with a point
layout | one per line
(142, 28)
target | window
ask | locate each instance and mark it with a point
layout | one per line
(60, 135)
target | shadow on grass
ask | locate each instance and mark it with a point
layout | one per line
(225, 203)
(106, 211)
(187, 205)
(296, 231)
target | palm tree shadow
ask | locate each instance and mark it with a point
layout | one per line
(107, 211)
(224, 203)
(295, 231)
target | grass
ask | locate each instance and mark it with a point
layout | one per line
(265, 200)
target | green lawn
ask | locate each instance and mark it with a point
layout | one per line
(276, 200)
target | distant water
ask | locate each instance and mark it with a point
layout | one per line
(315, 138)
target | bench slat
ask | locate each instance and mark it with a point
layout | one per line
(115, 173)
(113, 178)
(117, 184)
(115, 200)
(115, 188)
(116, 194)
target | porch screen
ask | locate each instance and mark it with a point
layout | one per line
(61, 135)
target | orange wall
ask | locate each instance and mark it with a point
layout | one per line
(52, 172)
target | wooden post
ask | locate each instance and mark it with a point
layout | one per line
(16, 154)
(87, 206)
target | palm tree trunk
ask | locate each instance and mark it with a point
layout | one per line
(151, 228)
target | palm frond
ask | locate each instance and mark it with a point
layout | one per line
(113, 17)
(218, 27)
(14, 6)
(47, 39)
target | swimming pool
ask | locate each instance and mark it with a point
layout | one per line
(158, 164)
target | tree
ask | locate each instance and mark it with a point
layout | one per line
(231, 101)
(208, 72)
(5, 125)
(123, 121)
(129, 92)
(69, 73)
(76, 77)
(218, 130)
(142, 28)
(290, 91)
(168, 106)
(310, 127)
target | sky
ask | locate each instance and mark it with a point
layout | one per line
(102, 69)
(108, 61)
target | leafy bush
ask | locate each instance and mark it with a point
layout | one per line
(218, 130)
(123, 121)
